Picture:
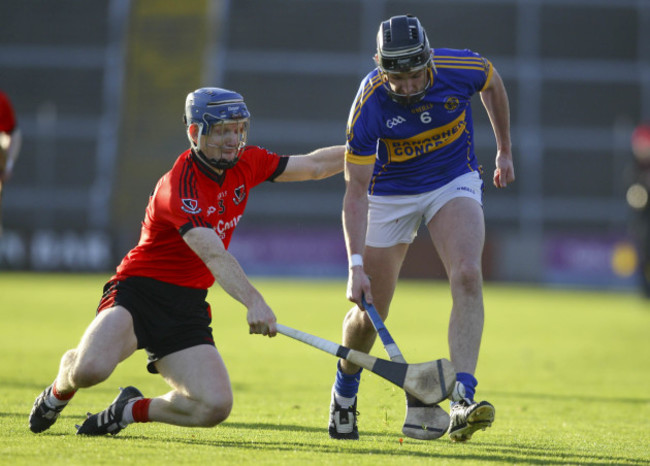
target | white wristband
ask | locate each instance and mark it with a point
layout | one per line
(356, 260)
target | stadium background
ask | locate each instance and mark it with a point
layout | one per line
(99, 88)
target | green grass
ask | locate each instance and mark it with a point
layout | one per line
(568, 372)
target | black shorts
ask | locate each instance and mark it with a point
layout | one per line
(166, 318)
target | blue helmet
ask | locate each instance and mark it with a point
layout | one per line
(209, 106)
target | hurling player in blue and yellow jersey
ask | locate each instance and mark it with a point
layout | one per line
(410, 158)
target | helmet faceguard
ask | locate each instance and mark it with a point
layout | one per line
(212, 109)
(403, 47)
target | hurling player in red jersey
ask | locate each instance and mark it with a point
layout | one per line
(10, 141)
(156, 299)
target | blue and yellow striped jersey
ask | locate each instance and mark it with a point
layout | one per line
(421, 147)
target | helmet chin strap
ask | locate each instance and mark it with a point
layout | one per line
(220, 164)
(408, 99)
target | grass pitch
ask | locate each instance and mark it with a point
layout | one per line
(568, 373)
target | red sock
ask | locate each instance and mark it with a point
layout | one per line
(62, 397)
(141, 410)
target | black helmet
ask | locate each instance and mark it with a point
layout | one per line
(402, 46)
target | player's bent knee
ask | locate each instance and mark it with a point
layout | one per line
(358, 319)
(213, 414)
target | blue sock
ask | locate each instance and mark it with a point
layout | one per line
(346, 385)
(469, 382)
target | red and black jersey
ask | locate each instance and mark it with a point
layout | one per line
(192, 195)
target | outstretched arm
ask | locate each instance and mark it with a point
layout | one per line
(229, 274)
(495, 100)
(316, 165)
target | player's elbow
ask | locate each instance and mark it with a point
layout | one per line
(321, 172)
(326, 169)
(329, 164)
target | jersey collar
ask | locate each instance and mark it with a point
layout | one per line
(206, 169)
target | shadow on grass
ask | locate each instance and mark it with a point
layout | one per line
(511, 453)
(477, 452)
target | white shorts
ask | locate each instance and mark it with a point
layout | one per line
(396, 219)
